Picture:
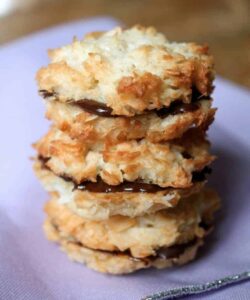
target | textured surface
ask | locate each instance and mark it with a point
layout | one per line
(142, 236)
(88, 127)
(163, 164)
(32, 268)
(130, 70)
(223, 24)
(119, 263)
(99, 206)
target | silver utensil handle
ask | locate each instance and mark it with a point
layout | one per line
(199, 288)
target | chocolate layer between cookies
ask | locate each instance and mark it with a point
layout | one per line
(102, 110)
(169, 164)
(137, 186)
(126, 158)
(91, 128)
(141, 236)
(121, 263)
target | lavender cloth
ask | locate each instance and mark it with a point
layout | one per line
(33, 268)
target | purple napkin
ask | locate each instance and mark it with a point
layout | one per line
(33, 268)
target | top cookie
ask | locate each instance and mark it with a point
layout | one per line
(128, 71)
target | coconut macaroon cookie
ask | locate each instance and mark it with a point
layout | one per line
(99, 201)
(142, 238)
(128, 71)
(127, 157)
(166, 164)
(121, 262)
(143, 235)
(156, 126)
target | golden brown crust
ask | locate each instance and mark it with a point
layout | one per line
(146, 88)
(91, 128)
(141, 236)
(101, 206)
(106, 262)
(162, 164)
(130, 75)
(129, 70)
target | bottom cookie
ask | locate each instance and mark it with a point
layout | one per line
(122, 262)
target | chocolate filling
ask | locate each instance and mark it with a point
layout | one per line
(175, 108)
(196, 95)
(199, 176)
(129, 187)
(186, 155)
(102, 110)
(43, 160)
(171, 252)
(95, 108)
(46, 94)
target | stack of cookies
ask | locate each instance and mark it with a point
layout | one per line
(126, 159)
